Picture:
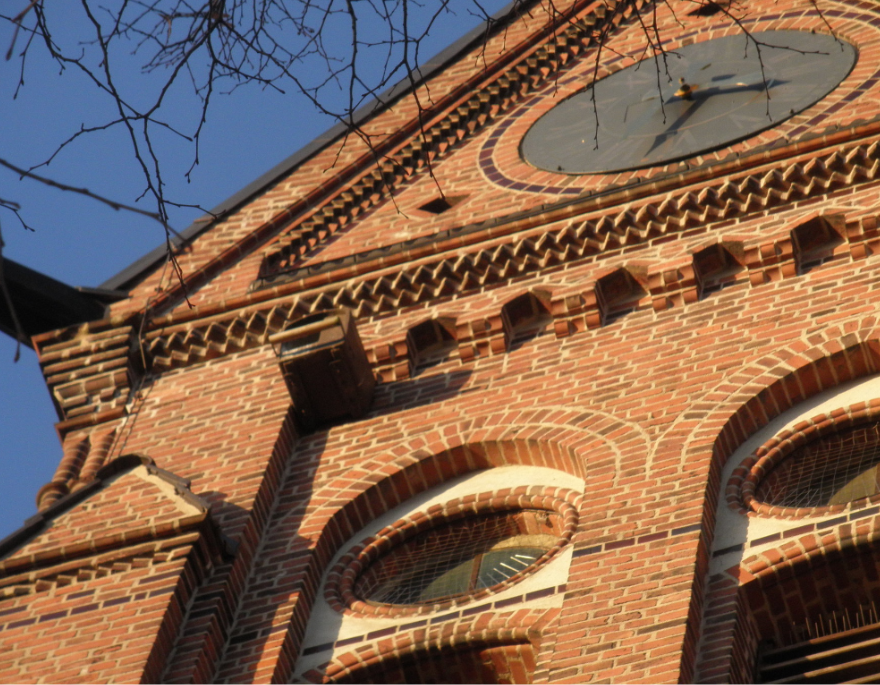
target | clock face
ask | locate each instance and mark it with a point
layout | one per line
(711, 94)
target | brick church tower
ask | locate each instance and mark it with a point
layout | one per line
(491, 402)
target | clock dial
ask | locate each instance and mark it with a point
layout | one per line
(712, 94)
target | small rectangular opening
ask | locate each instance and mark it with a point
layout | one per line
(707, 9)
(442, 204)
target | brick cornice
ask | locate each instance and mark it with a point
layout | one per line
(67, 564)
(90, 370)
(246, 322)
(575, 233)
(731, 190)
(280, 264)
(461, 236)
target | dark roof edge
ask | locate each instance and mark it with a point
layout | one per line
(125, 277)
(41, 303)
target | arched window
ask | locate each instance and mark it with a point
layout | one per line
(460, 558)
(835, 469)
(457, 552)
(468, 663)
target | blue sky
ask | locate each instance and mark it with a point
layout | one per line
(83, 243)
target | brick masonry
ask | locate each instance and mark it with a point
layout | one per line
(631, 330)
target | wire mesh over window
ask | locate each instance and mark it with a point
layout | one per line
(460, 557)
(836, 469)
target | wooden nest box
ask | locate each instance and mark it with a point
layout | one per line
(325, 368)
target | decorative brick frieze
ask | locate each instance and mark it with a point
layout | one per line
(391, 361)
(525, 316)
(96, 565)
(172, 344)
(717, 265)
(613, 294)
(771, 261)
(675, 284)
(481, 338)
(430, 342)
(656, 209)
(688, 279)
(568, 310)
(863, 237)
(526, 68)
(807, 244)
(782, 183)
(815, 238)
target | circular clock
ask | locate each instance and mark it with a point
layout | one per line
(711, 94)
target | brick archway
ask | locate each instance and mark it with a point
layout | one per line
(747, 401)
(586, 444)
(589, 445)
(758, 393)
(739, 606)
(488, 630)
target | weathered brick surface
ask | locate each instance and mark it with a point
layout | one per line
(472, 171)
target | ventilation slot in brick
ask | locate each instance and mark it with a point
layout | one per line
(431, 342)
(442, 204)
(618, 293)
(814, 241)
(717, 266)
(707, 9)
(525, 317)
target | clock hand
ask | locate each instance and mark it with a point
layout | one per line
(697, 98)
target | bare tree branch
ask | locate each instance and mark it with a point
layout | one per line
(25, 173)
(20, 336)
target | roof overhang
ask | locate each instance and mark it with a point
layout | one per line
(42, 304)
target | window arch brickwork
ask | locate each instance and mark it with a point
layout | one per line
(484, 629)
(342, 580)
(736, 407)
(581, 442)
(743, 489)
(737, 614)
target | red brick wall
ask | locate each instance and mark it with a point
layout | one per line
(109, 618)
(644, 405)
